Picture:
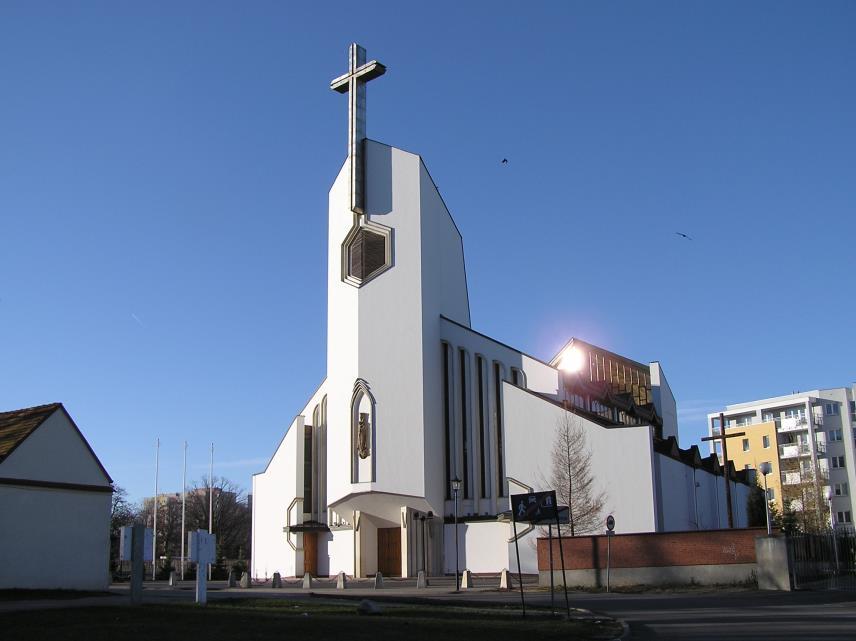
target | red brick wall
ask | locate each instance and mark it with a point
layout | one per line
(706, 547)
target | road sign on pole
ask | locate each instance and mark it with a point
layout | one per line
(610, 526)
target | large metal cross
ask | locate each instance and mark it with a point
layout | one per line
(722, 438)
(353, 83)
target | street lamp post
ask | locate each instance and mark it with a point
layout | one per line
(456, 486)
(829, 495)
(765, 468)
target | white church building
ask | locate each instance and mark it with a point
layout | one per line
(414, 397)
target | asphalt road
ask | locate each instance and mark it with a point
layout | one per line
(730, 615)
(691, 616)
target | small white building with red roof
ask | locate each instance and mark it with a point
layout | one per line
(55, 503)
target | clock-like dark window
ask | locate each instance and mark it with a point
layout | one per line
(366, 254)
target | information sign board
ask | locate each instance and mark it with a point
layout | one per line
(202, 546)
(125, 543)
(534, 507)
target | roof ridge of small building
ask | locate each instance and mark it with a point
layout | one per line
(17, 425)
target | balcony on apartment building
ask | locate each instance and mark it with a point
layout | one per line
(797, 423)
(791, 478)
(795, 450)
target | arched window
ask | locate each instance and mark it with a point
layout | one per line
(363, 426)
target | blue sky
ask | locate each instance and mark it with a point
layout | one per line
(164, 170)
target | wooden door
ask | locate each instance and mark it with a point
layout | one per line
(310, 553)
(389, 551)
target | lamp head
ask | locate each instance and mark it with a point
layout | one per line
(765, 468)
(456, 484)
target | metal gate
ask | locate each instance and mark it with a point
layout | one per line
(823, 561)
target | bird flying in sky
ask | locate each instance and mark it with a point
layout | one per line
(683, 235)
(505, 161)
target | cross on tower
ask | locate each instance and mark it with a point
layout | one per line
(722, 438)
(353, 83)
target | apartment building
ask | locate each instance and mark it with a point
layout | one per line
(809, 439)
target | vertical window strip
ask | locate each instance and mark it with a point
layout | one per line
(322, 462)
(482, 453)
(465, 426)
(446, 421)
(316, 469)
(500, 463)
(307, 469)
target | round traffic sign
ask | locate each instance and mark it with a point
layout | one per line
(610, 523)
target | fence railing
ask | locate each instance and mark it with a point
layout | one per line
(823, 561)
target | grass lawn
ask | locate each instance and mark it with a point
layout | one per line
(304, 620)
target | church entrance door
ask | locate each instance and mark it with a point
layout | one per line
(310, 553)
(389, 551)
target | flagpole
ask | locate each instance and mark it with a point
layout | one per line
(155, 510)
(211, 498)
(211, 491)
(183, 502)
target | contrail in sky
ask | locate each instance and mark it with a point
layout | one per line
(134, 316)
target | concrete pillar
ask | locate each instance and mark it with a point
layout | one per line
(340, 581)
(504, 580)
(245, 580)
(358, 546)
(407, 526)
(378, 581)
(307, 581)
(772, 567)
(421, 580)
(466, 580)
(276, 582)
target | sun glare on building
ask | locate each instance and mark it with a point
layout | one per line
(572, 360)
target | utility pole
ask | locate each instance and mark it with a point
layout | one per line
(183, 504)
(722, 438)
(211, 499)
(155, 511)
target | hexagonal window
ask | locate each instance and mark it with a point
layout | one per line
(365, 253)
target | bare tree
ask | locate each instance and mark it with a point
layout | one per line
(571, 476)
(802, 492)
(122, 513)
(231, 513)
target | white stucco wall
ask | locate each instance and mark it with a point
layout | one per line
(341, 552)
(482, 546)
(273, 491)
(664, 400)
(54, 539)
(703, 507)
(621, 457)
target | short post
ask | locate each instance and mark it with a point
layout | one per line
(138, 536)
(562, 561)
(201, 584)
(552, 588)
(608, 539)
(519, 573)
(202, 547)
